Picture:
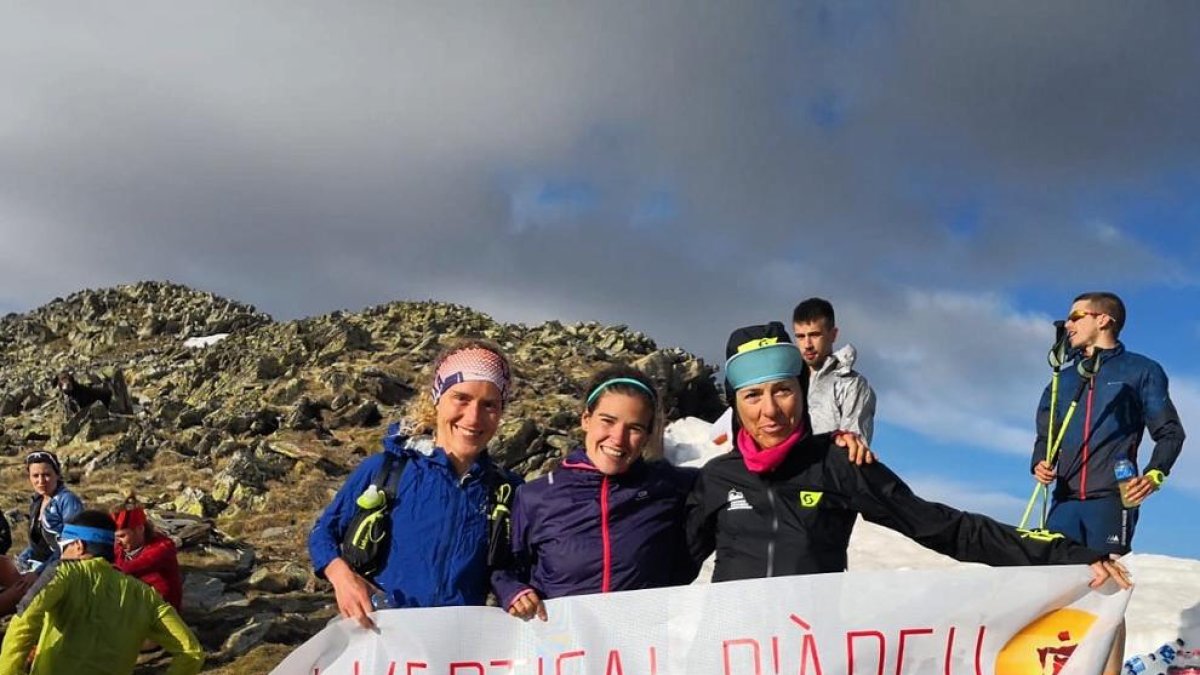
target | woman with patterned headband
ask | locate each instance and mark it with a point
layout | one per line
(50, 507)
(607, 519)
(437, 488)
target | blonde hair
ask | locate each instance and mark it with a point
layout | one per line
(423, 414)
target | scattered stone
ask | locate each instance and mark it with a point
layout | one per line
(261, 426)
(279, 578)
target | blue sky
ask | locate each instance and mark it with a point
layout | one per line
(948, 176)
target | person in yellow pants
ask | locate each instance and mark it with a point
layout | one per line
(86, 618)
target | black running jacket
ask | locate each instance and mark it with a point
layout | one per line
(798, 518)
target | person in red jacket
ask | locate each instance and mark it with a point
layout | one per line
(143, 553)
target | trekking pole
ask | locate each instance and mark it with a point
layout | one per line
(1057, 358)
(1087, 369)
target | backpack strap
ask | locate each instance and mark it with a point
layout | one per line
(500, 492)
(387, 478)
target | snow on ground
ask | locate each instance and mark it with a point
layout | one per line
(1166, 596)
(204, 341)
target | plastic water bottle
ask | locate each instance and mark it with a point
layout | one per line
(1125, 471)
(371, 498)
(1146, 664)
(381, 600)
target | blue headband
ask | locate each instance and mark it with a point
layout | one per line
(770, 362)
(619, 380)
(84, 533)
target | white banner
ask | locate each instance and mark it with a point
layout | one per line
(960, 621)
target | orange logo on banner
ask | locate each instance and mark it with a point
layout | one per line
(1043, 647)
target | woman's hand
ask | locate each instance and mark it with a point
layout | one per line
(353, 592)
(860, 453)
(1103, 570)
(528, 605)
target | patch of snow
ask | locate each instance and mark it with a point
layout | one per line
(1166, 597)
(204, 341)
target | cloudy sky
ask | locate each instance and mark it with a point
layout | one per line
(950, 176)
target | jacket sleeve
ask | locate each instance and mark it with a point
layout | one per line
(5, 535)
(884, 499)
(512, 581)
(169, 631)
(325, 538)
(701, 520)
(1041, 421)
(26, 627)
(685, 568)
(1162, 420)
(69, 506)
(857, 410)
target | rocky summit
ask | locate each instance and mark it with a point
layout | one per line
(235, 429)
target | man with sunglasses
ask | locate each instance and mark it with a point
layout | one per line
(1127, 394)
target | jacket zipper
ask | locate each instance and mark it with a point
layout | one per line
(1087, 439)
(774, 533)
(606, 573)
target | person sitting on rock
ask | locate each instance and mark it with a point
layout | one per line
(436, 549)
(83, 616)
(5, 535)
(51, 505)
(78, 396)
(12, 585)
(144, 553)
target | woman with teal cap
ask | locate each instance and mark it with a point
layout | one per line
(784, 501)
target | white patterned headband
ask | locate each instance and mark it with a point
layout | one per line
(473, 364)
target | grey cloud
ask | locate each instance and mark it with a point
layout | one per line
(305, 158)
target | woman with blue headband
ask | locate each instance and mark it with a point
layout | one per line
(607, 519)
(784, 500)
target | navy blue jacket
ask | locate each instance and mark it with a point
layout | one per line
(437, 551)
(1128, 394)
(576, 530)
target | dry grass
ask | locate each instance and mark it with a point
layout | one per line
(261, 659)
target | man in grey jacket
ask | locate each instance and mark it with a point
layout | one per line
(839, 397)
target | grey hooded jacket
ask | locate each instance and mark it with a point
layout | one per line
(839, 397)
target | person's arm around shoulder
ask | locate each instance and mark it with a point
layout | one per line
(169, 631)
(26, 627)
(684, 569)
(700, 516)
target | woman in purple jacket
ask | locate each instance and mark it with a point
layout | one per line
(607, 519)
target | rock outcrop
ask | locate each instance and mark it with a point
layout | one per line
(236, 444)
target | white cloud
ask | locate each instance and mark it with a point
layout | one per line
(957, 367)
(1185, 393)
(967, 496)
